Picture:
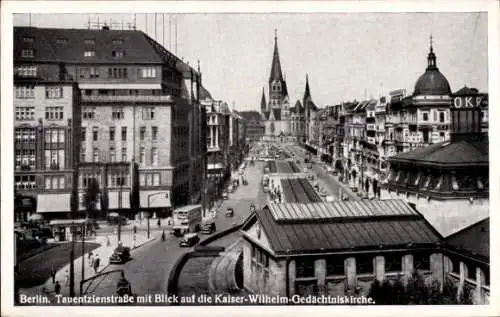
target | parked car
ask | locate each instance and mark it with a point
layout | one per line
(208, 227)
(245, 182)
(120, 255)
(229, 212)
(225, 195)
(189, 240)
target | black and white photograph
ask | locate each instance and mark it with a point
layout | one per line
(237, 157)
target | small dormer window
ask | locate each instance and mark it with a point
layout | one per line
(27, 53)
(89, 42)
(117, 41)
(117, 54)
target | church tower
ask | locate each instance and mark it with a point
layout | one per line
(277, 85)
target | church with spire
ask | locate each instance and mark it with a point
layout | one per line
(280, 119)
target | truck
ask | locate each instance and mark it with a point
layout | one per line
(187, 219)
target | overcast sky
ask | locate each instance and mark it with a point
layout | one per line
(347, 55)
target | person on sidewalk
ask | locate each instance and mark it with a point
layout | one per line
(57, 288)
(159, 223)
(53, 275)
(66, 277)
(163, 238)
(91, 258)
(96, 263)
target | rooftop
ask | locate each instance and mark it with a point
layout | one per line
(343, 226)
(474, 239)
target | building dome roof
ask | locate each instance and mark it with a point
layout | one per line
(432, 82)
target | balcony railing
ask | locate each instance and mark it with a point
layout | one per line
(138, 98)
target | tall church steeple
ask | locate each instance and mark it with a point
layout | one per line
(263, 103)
(276, 74)
(307, 92)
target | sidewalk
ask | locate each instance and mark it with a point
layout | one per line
(103, 252)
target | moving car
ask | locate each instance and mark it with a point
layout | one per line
(120, 255)
(189, 240)
(225, 195)
(229, 212)
(208, 227)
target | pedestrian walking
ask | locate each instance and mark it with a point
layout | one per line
(163, 238)
(66, 277)
(53, 275)
(96, 263)
(91, 258)
(108, 242)
(159, 223)
(57, 288)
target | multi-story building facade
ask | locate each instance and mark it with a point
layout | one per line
(140, 128)
(253, 126)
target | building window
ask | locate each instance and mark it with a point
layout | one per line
(54, 159)
(83, 134)
(142, 133)
(95, 155)
(53, 92)
(441, 116)
(117, 54)
(124, 154)
(117, 41)
(54, 135)
(94, 72)
(89, 41)
(61, 41)
(124, 133)
(117, 113)
(393, 263)
(25, 92)
(83, 151)
(111, 133)
(142, 155)
(154, 156)
(88, 113)
(25, 159)
(112, 154)
(25, 182)
(25, 113)
(471, 272)
(28, 39)
(54, 113)
(148, 72)
(335, 265)
(421, 261)
(26, 71)
(54, 182)
(154, 133)
(117, 72)
(149, 179)
(27, 53)
(89, 54)
(364, 264)
(148, 113)
(95, 133)
(117, 179)
(425, 116)
(304, 267)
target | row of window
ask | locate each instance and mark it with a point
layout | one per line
(304, 267)
(25, 159)
(28, 92)
(25, 182)
(112, 133)
(118, 113)
(149, 179)
(115, 72)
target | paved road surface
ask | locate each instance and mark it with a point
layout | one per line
(151, 264)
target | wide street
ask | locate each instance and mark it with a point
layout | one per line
(331, 182)
(150, 266)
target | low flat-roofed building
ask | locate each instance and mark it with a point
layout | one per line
(336, 248)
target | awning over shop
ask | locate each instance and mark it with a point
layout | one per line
(155, 198)
(114, 199)
(67, 222)
(54, 203)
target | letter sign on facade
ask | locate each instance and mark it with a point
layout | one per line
(467, 102)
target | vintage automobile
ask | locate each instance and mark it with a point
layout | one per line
(120, 255)
(208, 227)
(189, 240)
(245, 182)
(225, 195)
(229, 212)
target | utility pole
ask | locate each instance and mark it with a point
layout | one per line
(72, 262)
(83, 254)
